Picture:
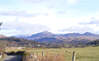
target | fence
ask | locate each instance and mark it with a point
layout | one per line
(50, 56)
(43, 56)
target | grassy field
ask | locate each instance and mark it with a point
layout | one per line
(87, 54)
(82, 54)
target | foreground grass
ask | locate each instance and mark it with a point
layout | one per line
(82, 54)
(87, 54)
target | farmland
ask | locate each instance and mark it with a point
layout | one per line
(65, 54)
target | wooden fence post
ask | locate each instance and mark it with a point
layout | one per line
(42, 53)
(74, 56)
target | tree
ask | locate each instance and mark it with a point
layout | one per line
(0, 25)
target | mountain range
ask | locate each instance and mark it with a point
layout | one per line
(48, 39)
(18, 42)
(74, 39)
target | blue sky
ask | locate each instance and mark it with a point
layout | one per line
(57, 16)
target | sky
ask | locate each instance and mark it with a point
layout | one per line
(26, 17)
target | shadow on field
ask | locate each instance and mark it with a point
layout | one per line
(15, 53)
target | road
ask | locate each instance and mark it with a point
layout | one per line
(13, 58)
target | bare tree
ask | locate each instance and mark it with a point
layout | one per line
(0, 25)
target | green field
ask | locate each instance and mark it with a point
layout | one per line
(82, 54)
(86, 54)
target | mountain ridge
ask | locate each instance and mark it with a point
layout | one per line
(52, 40)
(69, 37)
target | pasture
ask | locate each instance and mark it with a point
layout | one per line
(65, 54)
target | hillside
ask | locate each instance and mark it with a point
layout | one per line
(18, 42)
(94, 43)
(63, 40)
(48, 39)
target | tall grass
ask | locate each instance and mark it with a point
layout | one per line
(43, 57)
(61, 54)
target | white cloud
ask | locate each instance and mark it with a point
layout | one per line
(72, 1)
(29, 25)
(51, 21)
(33, 1)
(79, 29)
(17, 27)
(21, 13)
(51, 15)
(85, 24)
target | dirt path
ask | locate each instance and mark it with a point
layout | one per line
(13, 58)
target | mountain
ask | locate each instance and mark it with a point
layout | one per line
(41, 35)
(74, 39)
(84, 34)
(90, 34)
(68, 36)
(18, 42)
(48, 39)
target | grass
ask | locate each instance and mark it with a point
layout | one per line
(87, 54)
(82, 54)
(43, 56)
(1, 59)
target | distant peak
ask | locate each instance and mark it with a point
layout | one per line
(46, 32)
(88, 33)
